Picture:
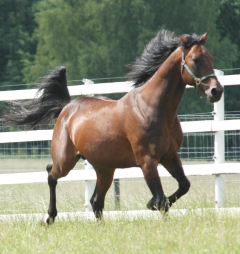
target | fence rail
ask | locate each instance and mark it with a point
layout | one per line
(102, 88)
(218, 125)
(123, 173)
(187, 127)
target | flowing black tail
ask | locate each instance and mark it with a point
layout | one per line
(52, 96)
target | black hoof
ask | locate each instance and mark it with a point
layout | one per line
(46, 220)
(162, 206)
(151, 205)
(166, 205)
(98, 215)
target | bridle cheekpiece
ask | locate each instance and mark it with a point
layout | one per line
(197, 80)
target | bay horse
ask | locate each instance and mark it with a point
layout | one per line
(139, 130)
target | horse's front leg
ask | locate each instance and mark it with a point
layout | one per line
(174, 166)
(150, 172)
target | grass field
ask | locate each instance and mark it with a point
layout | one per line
(16, 165)
(208, 232)
(33, 198)
(134, 194)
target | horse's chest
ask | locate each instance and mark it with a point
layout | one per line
(161, 141)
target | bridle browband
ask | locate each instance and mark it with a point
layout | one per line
(197, 80)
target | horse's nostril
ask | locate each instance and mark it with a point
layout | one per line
(214, 91)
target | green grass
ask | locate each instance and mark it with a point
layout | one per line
(191, 233)
(34, 198)
(16, 165)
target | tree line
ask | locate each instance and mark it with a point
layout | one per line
(98, 39)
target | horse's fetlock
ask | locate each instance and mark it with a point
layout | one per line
(97, 207)
(52, 213)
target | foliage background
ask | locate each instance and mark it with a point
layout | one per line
(98, 39)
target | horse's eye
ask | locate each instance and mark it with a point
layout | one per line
(195, 60)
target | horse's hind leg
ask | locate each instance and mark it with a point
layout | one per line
(54, 173)
(52, 210)
(104, 181)
(174, 167)
(65, 157)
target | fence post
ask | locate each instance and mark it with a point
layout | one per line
(116, 193)
(219, 150)
(89, 188)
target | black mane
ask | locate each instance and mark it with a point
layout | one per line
(155, 53)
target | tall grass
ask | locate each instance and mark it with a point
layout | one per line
(208, 232)
(134, 195)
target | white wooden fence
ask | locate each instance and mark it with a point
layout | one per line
(218, 125)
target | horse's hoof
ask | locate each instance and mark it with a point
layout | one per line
(166, 205)
(46, 220)
(151, 205)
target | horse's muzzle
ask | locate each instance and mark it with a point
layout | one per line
(215, 94)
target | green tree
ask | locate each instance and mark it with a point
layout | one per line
(97, 39)
(16, 45)
(228, 23)
(93, 39)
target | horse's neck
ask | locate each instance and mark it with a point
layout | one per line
(164, 91)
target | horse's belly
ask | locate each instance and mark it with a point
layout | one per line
(110, 154)
(111, 150)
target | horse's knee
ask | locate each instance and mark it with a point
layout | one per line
(184, 186)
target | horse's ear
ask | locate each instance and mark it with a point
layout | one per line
(204, 38)
(182, 38)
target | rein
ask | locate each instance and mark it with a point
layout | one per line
(197, 80)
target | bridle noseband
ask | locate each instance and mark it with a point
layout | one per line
(197, 80)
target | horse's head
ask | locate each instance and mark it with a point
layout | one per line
(197, 68)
